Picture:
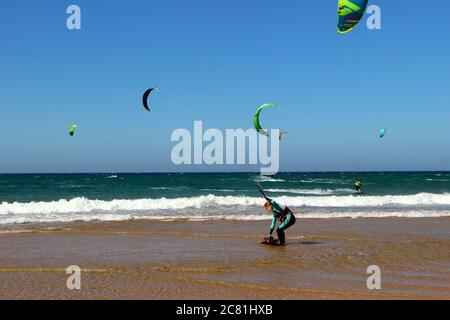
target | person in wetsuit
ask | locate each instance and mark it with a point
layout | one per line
(284, 215)
(358, 185)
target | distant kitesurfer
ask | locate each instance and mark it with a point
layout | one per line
(358, 185)
(284, 215)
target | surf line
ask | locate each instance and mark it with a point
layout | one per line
(186, 310)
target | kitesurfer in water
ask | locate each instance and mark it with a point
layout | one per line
(358, 185)
(284, 215)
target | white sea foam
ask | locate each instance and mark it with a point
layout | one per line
(199, 202)
(312, 191)
(325, 181)
(229, 207)
(267, 179)
(223, 190)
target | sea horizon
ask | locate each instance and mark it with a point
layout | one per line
(226, 172)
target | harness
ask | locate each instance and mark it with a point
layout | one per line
(282, 214)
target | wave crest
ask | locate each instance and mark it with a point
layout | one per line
(84, 205)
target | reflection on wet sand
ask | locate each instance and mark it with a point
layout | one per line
(222, 260)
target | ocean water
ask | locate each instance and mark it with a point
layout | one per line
(52, 198)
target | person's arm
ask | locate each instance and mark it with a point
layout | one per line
(277, 208)
(272, 226)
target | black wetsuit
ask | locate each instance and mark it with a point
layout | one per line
(286, 217)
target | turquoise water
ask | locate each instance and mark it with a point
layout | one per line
(68, 197)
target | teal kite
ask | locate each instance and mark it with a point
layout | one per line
(350, 12)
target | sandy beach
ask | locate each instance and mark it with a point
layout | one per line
(149, 147)
(144, 259)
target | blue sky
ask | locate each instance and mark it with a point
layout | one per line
(217, 61)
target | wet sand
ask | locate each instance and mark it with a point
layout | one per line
(323, 259)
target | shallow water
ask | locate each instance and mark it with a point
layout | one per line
(223, 260)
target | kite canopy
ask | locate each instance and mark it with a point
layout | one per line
(382, 133)
(72, 129)
(145, 97)
(280, 135)
(350, 12)
(256, 118)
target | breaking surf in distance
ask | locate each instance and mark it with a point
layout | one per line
(86, 197)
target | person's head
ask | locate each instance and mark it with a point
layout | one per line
(268, 206)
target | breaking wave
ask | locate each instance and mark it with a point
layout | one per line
(225, 207)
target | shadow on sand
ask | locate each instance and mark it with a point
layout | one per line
(308, 243)
(289, 243)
